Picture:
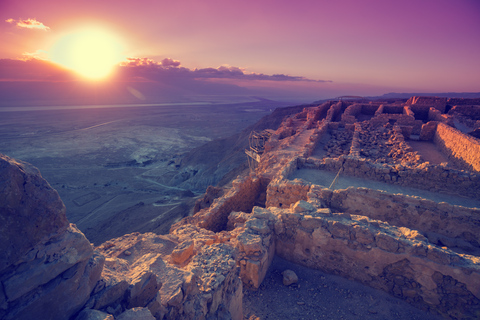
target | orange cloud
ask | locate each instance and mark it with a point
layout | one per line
(29, 24)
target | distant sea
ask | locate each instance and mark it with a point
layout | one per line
(43, 108)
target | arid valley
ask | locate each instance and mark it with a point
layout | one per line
(117, 168)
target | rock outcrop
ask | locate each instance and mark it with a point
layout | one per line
(48, 267)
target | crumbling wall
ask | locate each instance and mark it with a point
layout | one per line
(317, 114)
(350, 114)
(241, 197)
(399, 119)
(462, 149)
(188, 274)
(255, 245)
(399, 261)
(435, 102)
(283, 193)
(334, 111)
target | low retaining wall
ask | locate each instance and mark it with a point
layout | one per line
(462, 149)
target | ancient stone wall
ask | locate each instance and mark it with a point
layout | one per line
(435, 102)
(241, 197)
(334, 111)
(285, 192)
(255, 244)
(188, 274)
(399, 261)
(317, 114)
(462, 149)
(454, 226)
(350, 114)
(399, 119)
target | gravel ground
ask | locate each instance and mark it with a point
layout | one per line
(318, 295)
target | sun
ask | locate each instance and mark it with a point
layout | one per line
(91, 52)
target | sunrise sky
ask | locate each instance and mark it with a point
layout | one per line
(310, 48)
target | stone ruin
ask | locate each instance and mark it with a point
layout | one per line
(423, 249)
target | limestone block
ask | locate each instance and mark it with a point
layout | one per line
(258, 225)
(363, 235)
(183, 252)
(303, 206)
(339, 230)
(249, 243)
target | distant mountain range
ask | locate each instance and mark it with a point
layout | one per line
(404, 95)
(391, 95)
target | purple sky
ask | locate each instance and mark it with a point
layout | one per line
(315, 49)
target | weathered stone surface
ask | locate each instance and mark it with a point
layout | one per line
(47, 266)
(28, 207)
(183, 252)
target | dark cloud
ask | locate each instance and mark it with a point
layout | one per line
(36, 81)
(29, 24)
(150, 69)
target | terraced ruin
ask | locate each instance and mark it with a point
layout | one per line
(386, 194)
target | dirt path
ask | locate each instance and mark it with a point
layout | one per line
(322, 296)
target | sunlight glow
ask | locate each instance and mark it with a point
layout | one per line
(90, 52)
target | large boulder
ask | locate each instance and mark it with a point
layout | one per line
(30, 210)
(47, 267)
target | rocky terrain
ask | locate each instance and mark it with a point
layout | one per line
(423, 250)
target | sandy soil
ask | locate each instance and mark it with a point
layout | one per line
(322, 296)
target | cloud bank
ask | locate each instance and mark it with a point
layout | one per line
(28, 24)
(152, 70)
(35, 81)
